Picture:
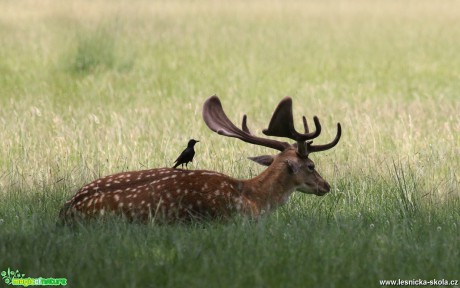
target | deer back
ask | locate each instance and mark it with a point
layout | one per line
(165, 194)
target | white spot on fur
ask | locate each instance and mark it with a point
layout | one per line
(210, 173)
(89, 203)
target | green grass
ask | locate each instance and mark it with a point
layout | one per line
(93, 88)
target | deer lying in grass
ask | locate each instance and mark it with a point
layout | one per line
(171, 195)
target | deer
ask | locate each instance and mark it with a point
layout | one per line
(170, 195)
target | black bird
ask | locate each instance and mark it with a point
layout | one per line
(186, 155)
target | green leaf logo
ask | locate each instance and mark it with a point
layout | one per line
(8, 275)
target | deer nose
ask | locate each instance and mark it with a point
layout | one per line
(324, 188)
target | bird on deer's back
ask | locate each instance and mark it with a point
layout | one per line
(187, 155)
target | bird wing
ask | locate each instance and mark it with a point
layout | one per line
(181, 155)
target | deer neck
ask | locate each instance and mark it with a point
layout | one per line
(270, 189)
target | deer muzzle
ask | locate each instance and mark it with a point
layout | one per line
(323, 188)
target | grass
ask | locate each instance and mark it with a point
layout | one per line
(89, 89)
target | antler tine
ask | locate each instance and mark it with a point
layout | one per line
(244, 125)
(216, 119)
(317, 148)
(305, 125)
(317, 131)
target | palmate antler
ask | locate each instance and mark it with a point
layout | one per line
(216, 119)
(281, 125)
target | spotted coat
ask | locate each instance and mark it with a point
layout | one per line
(165, 194)
(169, 195)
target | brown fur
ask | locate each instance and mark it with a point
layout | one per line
(171, 195)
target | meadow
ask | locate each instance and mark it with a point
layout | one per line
(91, 88)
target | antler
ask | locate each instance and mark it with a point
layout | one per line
(317, 148)
(281, 125)
(216, 119)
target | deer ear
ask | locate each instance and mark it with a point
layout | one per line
(292, 166)
(265, 160)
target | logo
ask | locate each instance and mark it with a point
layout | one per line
(16, 278)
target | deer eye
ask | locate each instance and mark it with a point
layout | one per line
(311, 167)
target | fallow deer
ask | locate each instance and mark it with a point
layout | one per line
(172, 195)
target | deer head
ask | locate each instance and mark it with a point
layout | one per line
(293, 159)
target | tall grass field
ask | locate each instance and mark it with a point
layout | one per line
(92, 88)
